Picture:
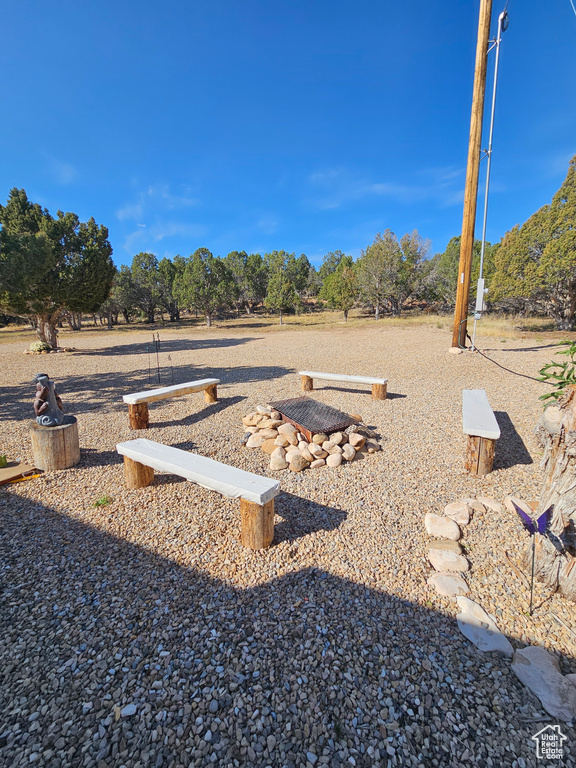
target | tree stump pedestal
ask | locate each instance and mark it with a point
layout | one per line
(56, 447)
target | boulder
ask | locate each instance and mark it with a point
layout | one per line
(317, 463)
(264, 409)
(441, 527)
(303, 448)
(540, 672)
(291, 452)
(334, 460)
(266, 433)
(277, 463)
(446, 546)
(255, 441)
(356, 440)
(448, 584)
(480, 628)
(319, 438)
(475, 505)
(327, 445)
(279, 452)
(524, 506)
(444, 560)
(458, 511)
(348, 452)
(287, 429)
(282, 441)
(317, 451)
(335, 449)
(298, 462)
(301, 437)
(275, 415)
(372, 446)
(270, 423)
(337, 437)
(491, 504)
(292, 439)
(269, 446)
(248, 419)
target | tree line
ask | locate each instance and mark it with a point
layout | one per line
(56, 269)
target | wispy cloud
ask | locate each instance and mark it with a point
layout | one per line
(61, 172)
(147, 238)
(333, 188)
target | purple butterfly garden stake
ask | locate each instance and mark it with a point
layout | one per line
(540, 525)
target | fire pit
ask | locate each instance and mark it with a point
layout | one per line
(311, 417)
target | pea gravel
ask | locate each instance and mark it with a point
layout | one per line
(141, 633)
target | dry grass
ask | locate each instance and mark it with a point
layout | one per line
(492, 326)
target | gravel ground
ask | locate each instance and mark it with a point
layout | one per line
(141, 633)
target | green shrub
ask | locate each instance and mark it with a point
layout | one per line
(40, 346)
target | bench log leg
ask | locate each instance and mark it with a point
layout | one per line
(138, 415)
(211, 394)
(379, 391)
(137, 475)
(257, 526)
(479, 455)
(307, 384)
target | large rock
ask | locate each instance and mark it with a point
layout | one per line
(269, 446)
(255, 441)
(282, 441)
(264, 409)
(287, 429)
(317, 463)
(441, 527)
(253, 419)
(540, 671)
(372, 446)
(334, 460)
(319, 438)
(338, 438)
(298, 463)
(448, 584)
(356, 440)
(446, 546)
(270, 423)
(490, 503)
(335, 449)
(279, 452)
(480, 629)
(291, 452)
(317, 451)
(292, 439)
(348, 452)
(524, 506)
(303, 448)
(266, 433)
(458, 511)
(277, 463)
(446, 561)
(327, 445)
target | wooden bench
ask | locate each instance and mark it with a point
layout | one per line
(479, 423)
(138, 401)
(378, 385)
(256, 493)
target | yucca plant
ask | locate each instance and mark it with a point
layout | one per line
(560, 374)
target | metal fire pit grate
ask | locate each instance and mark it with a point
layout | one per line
(313, 416)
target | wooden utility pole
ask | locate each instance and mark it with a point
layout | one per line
(472, 171)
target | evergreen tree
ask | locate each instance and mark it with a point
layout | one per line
(282, 295)
(340, 287)
(206, 285)
(50, 265)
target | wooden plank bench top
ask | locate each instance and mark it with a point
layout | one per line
(477, 416)
(479, 423)
(164, 393)
(379, 386)
(228, 481)
(343, 377)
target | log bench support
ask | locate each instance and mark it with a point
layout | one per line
(379, 386)
(256, 493)
(138, 401)
(481, 427)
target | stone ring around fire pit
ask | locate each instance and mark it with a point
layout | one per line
(301, 433)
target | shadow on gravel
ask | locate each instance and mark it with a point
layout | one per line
(389, 395)
(301, 517)
(83, 393)
(148, 348)
(193, 418)
(510, 448)
(308, 662)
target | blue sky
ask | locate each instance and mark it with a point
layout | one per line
(258, 125)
